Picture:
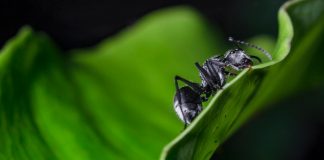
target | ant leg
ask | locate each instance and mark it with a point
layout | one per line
(257, 58)
(194, 86)
(211, 69)
(219, 79)
(205, 75)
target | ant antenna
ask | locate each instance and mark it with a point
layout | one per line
(231, 39)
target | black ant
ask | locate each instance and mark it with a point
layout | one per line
(213, 73)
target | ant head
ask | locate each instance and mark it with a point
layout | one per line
(238, 58)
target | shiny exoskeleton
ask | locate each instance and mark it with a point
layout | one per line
(213, 73)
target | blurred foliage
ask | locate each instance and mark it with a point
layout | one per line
(114, 101)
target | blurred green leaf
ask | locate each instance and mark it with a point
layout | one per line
(254, 90)
(113, 101)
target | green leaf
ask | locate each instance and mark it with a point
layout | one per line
(252, 91)
(113, 101)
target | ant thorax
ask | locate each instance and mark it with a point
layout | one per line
(214, 68)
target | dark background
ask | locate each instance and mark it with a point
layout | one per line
(292, 129)
(82, 23)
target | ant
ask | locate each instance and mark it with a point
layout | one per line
(213, 73)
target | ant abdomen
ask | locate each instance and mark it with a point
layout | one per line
(187, 104)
